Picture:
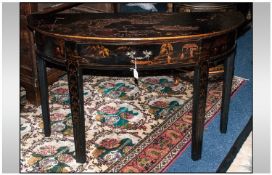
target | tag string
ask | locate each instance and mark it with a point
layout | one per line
(135, 63)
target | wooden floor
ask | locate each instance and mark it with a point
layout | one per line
(243, 160)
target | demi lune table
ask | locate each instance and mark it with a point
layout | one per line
(144, 42)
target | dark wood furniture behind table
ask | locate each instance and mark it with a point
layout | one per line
(28, 66)
(165, 42)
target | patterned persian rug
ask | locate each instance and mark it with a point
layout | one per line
(129, 128)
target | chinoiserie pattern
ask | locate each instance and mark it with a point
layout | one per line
(113, 42)
(199, 105)
(76, 101)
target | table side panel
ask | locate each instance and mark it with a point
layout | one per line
(164, 54)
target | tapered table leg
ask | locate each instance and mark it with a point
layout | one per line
(75, 84)
(199, 104)
(227, 84)
(43, 85)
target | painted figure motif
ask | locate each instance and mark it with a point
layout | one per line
(166, 52)
(188, 51)
(59, 49)
(97, 51)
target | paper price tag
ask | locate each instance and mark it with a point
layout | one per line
(135, 74)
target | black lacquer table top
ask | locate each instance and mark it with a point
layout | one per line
(149, 26)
